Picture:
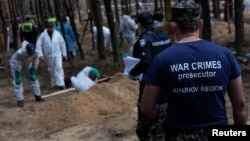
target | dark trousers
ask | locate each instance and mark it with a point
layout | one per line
(147, 129)
(143, 122)
(200, 134)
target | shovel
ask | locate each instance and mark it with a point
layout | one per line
(104, 79)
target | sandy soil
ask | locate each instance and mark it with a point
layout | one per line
(106, 112)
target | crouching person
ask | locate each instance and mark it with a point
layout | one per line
(106, 37)
(25, 62)
(82, 80)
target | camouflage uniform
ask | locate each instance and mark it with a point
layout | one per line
(157, 131)
(149, 130)
(186, 135)
(186, 12)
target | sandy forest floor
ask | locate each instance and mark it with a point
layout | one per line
(106, 112)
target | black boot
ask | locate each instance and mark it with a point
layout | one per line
(20, 103)
(39, 98)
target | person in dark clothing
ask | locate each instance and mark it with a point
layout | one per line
(28, 31)
(158, 18)
(196, 75)
(149, 44)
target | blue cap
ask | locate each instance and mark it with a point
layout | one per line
(31, 48)
(145, 18)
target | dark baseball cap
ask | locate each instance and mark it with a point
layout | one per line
(27, 17)
(186, 11)
(31, 48)
(145, 18)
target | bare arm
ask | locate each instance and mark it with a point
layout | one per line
(238, 100)
(148, 101)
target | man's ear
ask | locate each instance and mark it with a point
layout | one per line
(200, 24)
(173, 27)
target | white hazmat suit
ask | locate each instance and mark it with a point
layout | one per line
(128, 29)
(53, 50)
(106, 37)
(21, 62)
(82, 81)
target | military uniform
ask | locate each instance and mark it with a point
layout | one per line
(194, 87)
(28, 31)
(150, 43)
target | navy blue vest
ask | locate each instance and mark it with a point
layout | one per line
(159, 40)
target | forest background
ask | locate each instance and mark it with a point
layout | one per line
(108, 110)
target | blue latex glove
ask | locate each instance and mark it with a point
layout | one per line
(131, 76)
(95, 72)
(33, 74)
(18, 76)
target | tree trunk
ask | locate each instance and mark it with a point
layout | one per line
(228, 10)
(137, 7)
(14, 23)
(155, 5)
(4, 26)
(49, 6)
(57, 8)
(123, 7)
(98, 22)
(91, 19)
(161, 5)
(31, 7)
(79, 11)
(206, 31)
(41, 12)
(112, 28)
(239, 26)
(72, 21)
(20, 10)
(216, 9)
(38, 17)
(63, 34)
(117, 17)
(126, 6)
(129, 6)
(168, 14)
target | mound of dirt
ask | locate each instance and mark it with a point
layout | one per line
(102, 101)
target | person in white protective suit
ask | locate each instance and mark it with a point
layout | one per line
(106, 37)
(82, 81)
(25, 61)
(247, 5)
(127, 30)
(51, 47)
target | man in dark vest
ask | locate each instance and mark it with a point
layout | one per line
(28, 31)
(149, 44)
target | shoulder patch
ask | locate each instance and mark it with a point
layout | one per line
(142, 42)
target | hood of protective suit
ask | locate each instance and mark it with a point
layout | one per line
(125, 17)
